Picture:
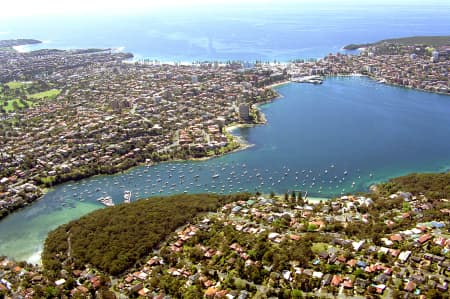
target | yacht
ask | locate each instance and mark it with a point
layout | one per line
(127, 196)
(107, 201)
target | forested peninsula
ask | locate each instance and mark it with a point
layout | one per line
(434, 41)
(390, 243)
(115, 238)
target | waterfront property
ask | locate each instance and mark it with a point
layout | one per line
(131, 113)
(369, 244)
(314, 134)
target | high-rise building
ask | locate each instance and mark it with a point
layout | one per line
(244, 111)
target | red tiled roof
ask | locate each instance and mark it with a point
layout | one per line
(96, 282)
(336, 280)
(424, 238)
(396, 237)
(347, 284)
(394, 252)
(211, 292)
(410, 286)
(295, 237)
(351, 262)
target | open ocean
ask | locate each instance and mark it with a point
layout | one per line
(248, 32)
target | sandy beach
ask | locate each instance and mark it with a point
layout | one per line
(278, 84)
(317, 200)
(233, 127)
(21, 49)
(311, 200)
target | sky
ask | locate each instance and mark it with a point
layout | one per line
(51, 7)
(21, 8)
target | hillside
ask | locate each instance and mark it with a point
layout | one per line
(434, 41)
(278, 247)
(432, 185)
(115, 238)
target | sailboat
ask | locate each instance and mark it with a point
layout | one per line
(127, 196)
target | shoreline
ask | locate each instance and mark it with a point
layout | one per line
(408, 87)
(383, 81)
(243, 146)
(314, 200)
(284, 82)
(25, 48)
(21, 49)
(242, 143)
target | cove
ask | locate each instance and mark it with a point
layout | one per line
(331, 139)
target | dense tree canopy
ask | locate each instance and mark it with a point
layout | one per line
(115, 238)
(432, 185)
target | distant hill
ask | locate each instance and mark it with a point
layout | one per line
(115, 238)
(434, 41)
(17, 42)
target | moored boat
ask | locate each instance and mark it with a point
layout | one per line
(107, 201)
(127, 196)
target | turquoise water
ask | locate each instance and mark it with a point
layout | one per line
(329, 139)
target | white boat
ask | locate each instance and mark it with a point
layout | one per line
(215, 176)
(127, 196)
(107, 201)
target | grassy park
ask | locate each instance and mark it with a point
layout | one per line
(17, 95)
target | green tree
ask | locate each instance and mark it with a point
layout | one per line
(382, 257)
(296, 294)
(192, 292)
(51, 292)
(434, 294)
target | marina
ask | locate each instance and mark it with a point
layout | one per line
(192, 177)
(333, 144)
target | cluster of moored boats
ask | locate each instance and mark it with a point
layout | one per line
(221, 178)
(108, 201)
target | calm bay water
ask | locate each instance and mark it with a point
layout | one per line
(330, 139)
